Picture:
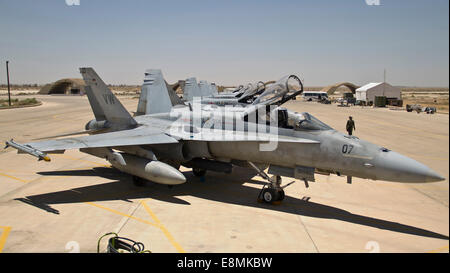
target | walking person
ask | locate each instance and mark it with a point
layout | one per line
(350, 125)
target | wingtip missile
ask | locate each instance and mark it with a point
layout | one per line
(46, 158)
(28, 150)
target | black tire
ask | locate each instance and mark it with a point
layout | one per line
(138, 182)
(198, 172)
(269, 195)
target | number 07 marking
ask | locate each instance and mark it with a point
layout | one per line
(346, 149)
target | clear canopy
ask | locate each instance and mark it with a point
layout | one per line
(278, 90)
(307, 122)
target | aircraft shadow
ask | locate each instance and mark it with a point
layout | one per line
(216, 187)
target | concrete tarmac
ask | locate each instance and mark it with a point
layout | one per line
(67, 204)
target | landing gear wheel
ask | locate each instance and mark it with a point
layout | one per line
(198, 172)
(272, 192)
(138, 181)
(269, 195)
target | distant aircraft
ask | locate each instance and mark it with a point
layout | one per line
(152, 146)
(209, 95)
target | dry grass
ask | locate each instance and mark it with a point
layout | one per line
(4, 103)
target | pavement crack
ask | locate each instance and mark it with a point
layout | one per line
(431, 197)
(128, 218)
(299, 217)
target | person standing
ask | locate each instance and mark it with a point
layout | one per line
(350, 125)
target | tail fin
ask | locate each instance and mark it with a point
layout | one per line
(155, 94)
(215, 90)
(103, 102)
(191, 89)
(205, 89)
(174, 98)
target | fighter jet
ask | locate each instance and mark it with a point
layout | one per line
(209, 95)
(232, 92)
(153, 146)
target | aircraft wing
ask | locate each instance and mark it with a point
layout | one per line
(139, 136)
(221, 135)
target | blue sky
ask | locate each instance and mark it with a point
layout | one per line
(228, 42)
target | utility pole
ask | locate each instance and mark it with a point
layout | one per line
(9, 90)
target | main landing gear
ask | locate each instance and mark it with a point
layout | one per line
(198, 172)
(272, 192)
(139, 181)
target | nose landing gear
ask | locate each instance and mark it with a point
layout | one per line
(272, 192)
(271, 195)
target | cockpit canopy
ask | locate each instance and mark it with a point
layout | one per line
(307, 122)
(298, 121)
(279, 90)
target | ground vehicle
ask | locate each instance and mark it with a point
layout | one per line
(314, 95)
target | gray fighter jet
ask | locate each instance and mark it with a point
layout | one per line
(153, 146)
(208, 93)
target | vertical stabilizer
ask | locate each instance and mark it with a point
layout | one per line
(191, 89)
(104, 103)
(205, 89)
(174, 98)
(214, 89)
(155, 96)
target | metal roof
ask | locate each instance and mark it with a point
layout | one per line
(368, 86)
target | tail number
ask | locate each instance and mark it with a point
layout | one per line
(346, 149)
(109, 98)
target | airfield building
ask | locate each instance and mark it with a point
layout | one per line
(64, 86)
(369, 91)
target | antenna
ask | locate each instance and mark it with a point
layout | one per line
(9, 91)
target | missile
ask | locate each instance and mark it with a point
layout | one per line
(27, 150)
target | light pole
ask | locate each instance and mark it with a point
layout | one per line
(9, 90)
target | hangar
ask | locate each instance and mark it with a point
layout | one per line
(332, 88)
(64, 86)
(368, 92)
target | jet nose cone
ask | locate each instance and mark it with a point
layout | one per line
(434, 177)
(393, 166)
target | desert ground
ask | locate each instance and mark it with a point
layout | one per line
(66, 205)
